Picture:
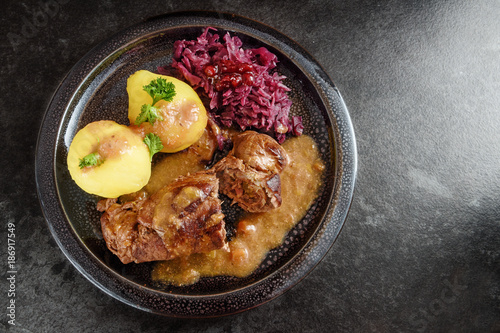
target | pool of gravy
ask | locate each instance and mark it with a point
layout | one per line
(256, 233)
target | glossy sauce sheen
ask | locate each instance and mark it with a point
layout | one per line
(256, 233)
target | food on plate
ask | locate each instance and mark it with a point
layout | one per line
(243, 88)
(250, 174)
(109, 159)
(167, 107)
(135, 239)
(253, 190)
(170, 209)
(260, 152)
(129, 240)
(186, 214)
(256, 233)
(182, 218)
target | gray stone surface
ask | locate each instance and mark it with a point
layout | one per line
(420, 249)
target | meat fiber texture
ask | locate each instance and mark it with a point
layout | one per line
(182, 218)
(263, 105)
(250, 174)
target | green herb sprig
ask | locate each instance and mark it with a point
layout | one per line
(158, 89)
(154, 144)
(92, 159)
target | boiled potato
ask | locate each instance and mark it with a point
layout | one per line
(124, 162)
(184, 118)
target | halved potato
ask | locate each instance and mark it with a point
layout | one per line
(184, 118)
(124, 162)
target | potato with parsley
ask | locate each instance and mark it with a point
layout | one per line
(167, 107)
(109, 159)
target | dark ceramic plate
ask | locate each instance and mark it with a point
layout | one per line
(95, 89)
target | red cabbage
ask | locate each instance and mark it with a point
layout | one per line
(247, 97)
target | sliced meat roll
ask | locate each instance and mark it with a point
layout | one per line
(182, 218)
(250, 174)
(188, 215)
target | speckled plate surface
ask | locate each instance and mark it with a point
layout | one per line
(95, 89)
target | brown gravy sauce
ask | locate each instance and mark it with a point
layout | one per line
(256, 233)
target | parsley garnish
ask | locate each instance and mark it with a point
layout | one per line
(154, 144)
(148, 113)
(158, 89)
(92, 159)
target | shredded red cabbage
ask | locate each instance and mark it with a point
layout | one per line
(239, 83)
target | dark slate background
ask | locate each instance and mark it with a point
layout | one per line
(420, 248)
